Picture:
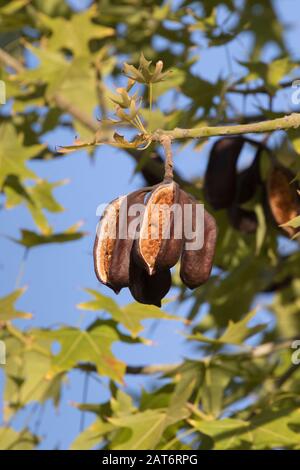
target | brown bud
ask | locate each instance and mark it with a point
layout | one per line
(220, 176)
(196, 264)
(283, 198)
(146, 288)
(157, 247)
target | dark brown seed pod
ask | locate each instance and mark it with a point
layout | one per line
(220, 176)
(105, 242)
(247, 183)
(128, 224)
(243, 220)
(283, 198)
(148, 289)
(157, 247)
(196, 264)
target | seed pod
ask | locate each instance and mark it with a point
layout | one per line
(247, 183)
(148, 289)
(220, 176)
(105, 242)
(158, 247)
(243, 220)
(196, 264)
(248, 180)
(128, 224)
(283, 198)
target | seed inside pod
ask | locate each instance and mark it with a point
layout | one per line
(283, 198)
(158, 247)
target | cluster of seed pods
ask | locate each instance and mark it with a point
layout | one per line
(139, 251)
(226, 188)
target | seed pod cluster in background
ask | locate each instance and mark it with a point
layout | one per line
(143, 257)
(226, 188)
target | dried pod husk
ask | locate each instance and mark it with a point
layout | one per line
(283, 197)
(196, 264)
(160, 241)
(128, 224)
(105, 243)
(146, 288)
(220, 176)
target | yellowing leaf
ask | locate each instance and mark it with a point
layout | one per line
(7, 308)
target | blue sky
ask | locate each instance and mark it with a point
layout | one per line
(56, 274)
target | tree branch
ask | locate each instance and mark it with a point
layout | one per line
(10, 61)
(291, 121)
(259, 89)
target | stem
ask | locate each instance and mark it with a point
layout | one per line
(141, 126)
(150, 95)
(166, 143)
(291, 121)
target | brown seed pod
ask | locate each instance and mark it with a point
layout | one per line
(283, 198)
(157, 247)
(128, 225)
(247, 183)
(243, 220)
(220, 176)
(146, 288)
(105, 242)
(196, 264)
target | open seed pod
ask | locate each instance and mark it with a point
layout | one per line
(158, 247)
(196, 264)
(105, 243)
(283, 198)
(146, 288)
(115, 237)
(220, 176)
(129, 222)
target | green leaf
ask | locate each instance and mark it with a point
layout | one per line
(13, 154)
(226, 433)
(92, 436)
(295, 222)
(37, 198)
(7, 308)
(235, 333)
(215, 381)
(92, 345)
(31, 239)
(145, 430)
(28, 361)
(270, 429)
(130, 315)
(64, 32)
(14, 440)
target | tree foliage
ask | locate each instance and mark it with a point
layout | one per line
(242, 390)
